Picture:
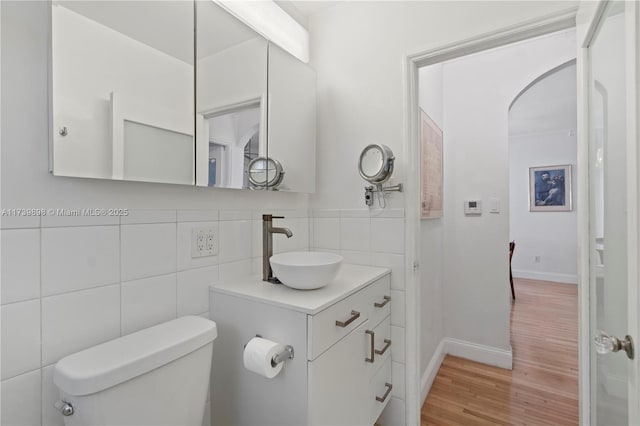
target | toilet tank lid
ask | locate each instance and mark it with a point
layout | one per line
(108, 364)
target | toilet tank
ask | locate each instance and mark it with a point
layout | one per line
(156, 376)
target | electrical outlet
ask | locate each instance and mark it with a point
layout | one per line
(536, 259)
(203, 242)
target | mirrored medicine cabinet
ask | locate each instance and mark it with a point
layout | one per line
(138, 95)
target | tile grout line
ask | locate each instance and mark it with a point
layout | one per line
(120, 268)
(176, 272)
(41, 325)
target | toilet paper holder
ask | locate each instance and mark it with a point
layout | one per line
(285, 354)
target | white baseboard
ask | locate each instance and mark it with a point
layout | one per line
(479, 353)
(546, 276)
(431, 371)
(472, 351)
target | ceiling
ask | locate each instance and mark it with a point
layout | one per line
(548, 105)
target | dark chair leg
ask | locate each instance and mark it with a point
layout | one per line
(513, 293)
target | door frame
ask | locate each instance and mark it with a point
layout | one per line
(587, 23)
(411, 145)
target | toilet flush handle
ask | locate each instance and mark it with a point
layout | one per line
(64, 407)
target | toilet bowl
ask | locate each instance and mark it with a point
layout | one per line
(156, 376)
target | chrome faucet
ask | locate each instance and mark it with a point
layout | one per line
(267, 244)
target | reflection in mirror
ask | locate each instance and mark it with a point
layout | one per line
(292, 119)
(265, 173)
(231, 81)
(122, 92)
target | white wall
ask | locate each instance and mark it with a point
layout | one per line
(430, 99)
(71, 282)
(477, 93)
(360, 72)
(551, 235)
(86, 70)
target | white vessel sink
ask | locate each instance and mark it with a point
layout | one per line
(305, 270)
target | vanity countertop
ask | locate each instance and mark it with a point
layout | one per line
(350, 279)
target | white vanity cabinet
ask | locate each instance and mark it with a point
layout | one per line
(341, 370)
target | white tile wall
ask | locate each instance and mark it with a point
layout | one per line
(398, 311)
(71, 282)
(356, 257)
(20, 265)
(395, 262)
(21, 400)
(147, 250)
(50, 416)
(233, 270)
(398, 374)
(78, 258)
(102, 278)
(193, 290)
(148, 302)
(20, 338)
(78, 320)
(148, 216)
(326, 232)
(387, 235)
(398, 339)
(235, 240)
(15, 222)
(355, 234)
(77, 218)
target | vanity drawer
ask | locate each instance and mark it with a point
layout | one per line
(323, 328)
(379, 301)
(381, 346)
(380, 391)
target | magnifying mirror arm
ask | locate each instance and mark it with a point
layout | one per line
(370, 189)
(393, 188)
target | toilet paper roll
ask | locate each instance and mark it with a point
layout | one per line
(258, 354)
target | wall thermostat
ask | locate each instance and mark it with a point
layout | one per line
(473, 207)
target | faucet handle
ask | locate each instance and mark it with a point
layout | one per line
(277, 217)
(268, 217)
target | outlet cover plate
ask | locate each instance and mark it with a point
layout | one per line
(203, 242)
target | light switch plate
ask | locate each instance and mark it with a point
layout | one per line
(494, 205)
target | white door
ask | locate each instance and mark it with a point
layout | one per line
(611, 52)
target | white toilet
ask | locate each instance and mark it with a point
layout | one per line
(156, 376)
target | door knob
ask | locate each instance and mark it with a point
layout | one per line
(605, 343)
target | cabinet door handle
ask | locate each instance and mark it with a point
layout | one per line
(387, 299)
(373, 342)
(354, 316)
(386, 394)
(387, 344)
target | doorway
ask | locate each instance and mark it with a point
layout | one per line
(591, 17)
(469, 98)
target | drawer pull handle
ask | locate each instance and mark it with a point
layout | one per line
(386, 394)
(387, 299)
(373, 343)
(387, 344)
(354, 316)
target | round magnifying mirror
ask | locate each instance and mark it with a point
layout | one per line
(265, 172)
(376, 163)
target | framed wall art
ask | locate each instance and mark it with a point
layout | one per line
(550, 188)
(431, 168)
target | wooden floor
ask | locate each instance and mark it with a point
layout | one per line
(542, 389)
